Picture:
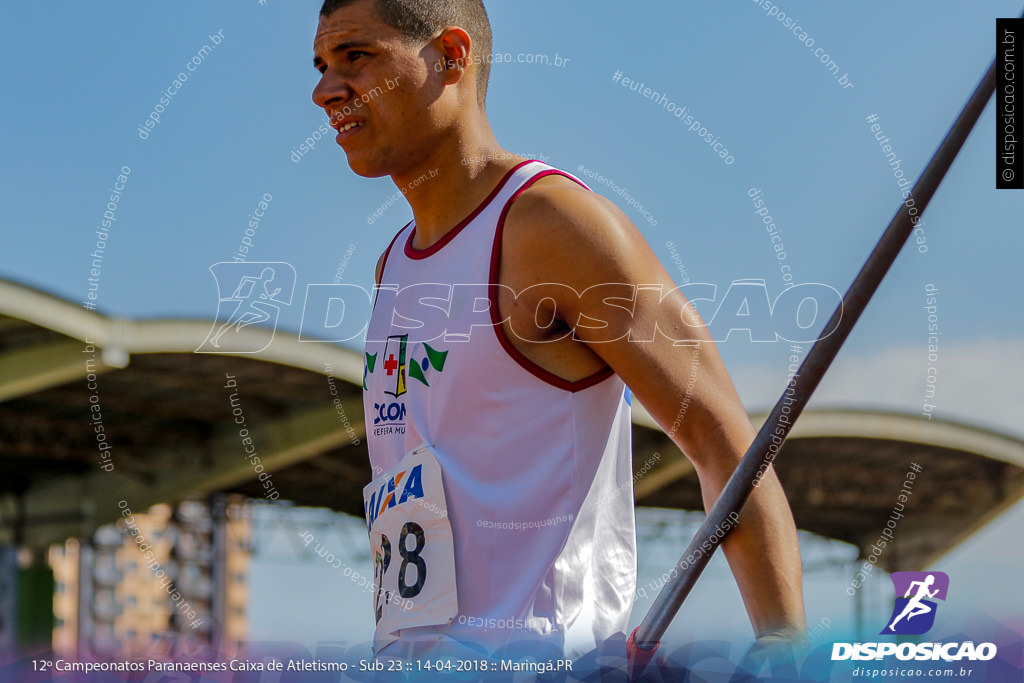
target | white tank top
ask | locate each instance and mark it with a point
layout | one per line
(536, 470)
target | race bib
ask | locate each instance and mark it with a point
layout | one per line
(412, 546)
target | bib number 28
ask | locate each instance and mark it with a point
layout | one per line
(412, 546)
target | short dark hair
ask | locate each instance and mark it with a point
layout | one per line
(423, 19)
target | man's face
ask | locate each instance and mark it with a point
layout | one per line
(377, 88)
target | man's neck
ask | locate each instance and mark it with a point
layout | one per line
(453, 181)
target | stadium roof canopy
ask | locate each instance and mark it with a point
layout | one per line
(170, 422)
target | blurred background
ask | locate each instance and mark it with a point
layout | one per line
(105, 406)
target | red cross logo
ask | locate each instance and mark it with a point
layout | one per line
(391, 364)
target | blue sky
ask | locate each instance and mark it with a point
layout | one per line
(84, 77)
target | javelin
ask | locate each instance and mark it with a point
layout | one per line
(644, 641)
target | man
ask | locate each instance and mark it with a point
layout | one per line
(512, 315)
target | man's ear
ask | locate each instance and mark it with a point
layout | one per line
(455, 47)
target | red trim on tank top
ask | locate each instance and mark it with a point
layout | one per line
(414, 253)
(492, 293)
(387, 251)
(384, 263)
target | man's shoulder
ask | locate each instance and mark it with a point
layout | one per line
(556, 218)
(558, 198)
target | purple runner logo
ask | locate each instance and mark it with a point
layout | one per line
(914, 612)
(248, 294)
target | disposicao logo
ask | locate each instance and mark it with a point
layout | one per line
(914, 614)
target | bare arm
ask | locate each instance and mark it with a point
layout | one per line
(561, 234)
